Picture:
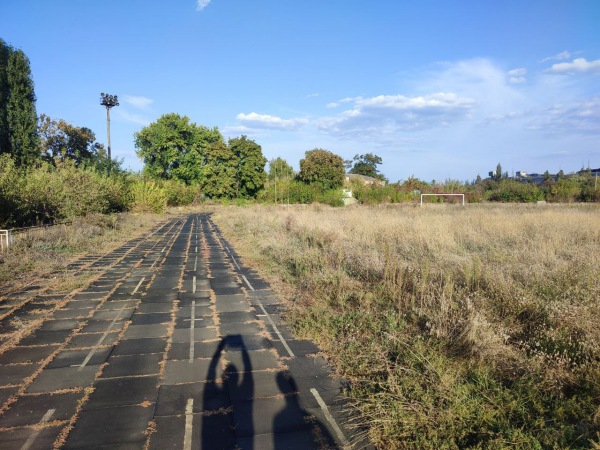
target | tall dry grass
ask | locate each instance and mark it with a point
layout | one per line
(473, 327)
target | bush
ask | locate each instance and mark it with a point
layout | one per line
(148, 196)
(515, 191)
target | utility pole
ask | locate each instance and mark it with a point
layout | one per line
(109, 101)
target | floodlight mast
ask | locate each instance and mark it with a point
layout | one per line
(109, 101)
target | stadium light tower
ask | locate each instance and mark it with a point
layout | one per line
(109, 101)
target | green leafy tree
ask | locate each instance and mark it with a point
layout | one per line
(250, 165)
(60, 140)
(366, 165)
(323, 168)
(18, 117)
(174, 148)
(220, 172)
(279, 168)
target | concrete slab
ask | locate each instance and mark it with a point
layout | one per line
(295, 440)
(72, 313)
(153, 297)
(51, 380)
(30, 409)
(200, 311)
(177, 372)
(131, 365)
(172, 399)
(234, 306)
(140, 346)
(271, 415)
(27, 354)
(199, 322)
(110, 426)
(102, 326)
(6, 393)
(261, 385)
(258, 360)
(68, 358)
(200, 334)
(17, 438)
(15, 374)
(59, 325)
(181, 350)
(146, 331)
(236, 317)
(92, 340)
(213, 432)
(187, 297)
(155, 308)
(114, 304)
(111, 314)
(123, 392)
(227, 290)
(226, 329)
(237, 342)
(150, 318)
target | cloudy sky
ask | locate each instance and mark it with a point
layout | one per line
(438, 88)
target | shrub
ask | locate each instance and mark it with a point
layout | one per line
(148, 196)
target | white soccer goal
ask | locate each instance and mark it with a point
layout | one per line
(443, 195)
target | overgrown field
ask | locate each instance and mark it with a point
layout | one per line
(473, 327)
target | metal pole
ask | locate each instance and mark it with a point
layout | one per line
(108, 134)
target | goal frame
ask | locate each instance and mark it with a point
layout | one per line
(443, 195)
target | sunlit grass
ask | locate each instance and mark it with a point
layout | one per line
(458, 327)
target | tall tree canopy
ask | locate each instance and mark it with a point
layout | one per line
(366, 165)
(175, 148)
(323, 168)
(250, 173)
(279, 168)
(60, 140)
(220, 171)
(234, 170)
(18, 117)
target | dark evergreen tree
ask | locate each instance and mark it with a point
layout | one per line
(5, 51)
(23, 139)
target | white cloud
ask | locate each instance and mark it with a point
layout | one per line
(256, 120)
(138, 102)
(580, 65)
(201, 4)
(558, 57)
(517, 76)
(134, 118)
(316, 94)
(574, 117)
(388, 114)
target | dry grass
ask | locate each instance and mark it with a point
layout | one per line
(459, 327)
(44, 251)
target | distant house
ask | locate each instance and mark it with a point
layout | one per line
(367, 181)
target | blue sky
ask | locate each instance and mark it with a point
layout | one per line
(439, 89)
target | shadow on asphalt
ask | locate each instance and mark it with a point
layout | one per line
(290, 428)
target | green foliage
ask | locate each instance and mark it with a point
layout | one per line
(174, 148)
(148, 196)
(367, 165)
(279, 168)
(45, 194)
(250, 162)
(374, 194)
(220, 172)
(323, 168)
(179, 193)
(18, 118)
(61, 141)
(515, 191)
